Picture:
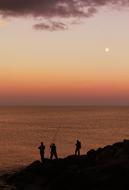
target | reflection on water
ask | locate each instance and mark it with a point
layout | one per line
(22, 129)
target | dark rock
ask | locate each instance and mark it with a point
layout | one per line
(102, 169)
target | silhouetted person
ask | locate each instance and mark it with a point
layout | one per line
(53, 151)
(42, 149)
(78, 147)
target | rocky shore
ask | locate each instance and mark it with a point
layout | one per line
(102, 169)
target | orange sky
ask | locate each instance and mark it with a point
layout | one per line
(66, 67)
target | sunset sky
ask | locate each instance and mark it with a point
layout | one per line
(60, 52)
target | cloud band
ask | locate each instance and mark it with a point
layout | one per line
(50, 9)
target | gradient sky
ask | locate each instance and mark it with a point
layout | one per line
(64, 64)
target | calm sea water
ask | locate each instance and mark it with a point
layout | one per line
(22, 129)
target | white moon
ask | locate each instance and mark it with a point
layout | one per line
(107, 50)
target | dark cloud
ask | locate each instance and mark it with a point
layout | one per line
(50, 9)
(51, 26)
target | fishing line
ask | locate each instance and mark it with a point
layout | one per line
(56, 133)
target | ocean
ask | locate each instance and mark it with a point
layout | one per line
(22, 128)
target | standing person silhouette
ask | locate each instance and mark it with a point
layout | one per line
(78, 147)
(42, 149)
(53, 151)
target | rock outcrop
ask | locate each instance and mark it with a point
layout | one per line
(102, 169)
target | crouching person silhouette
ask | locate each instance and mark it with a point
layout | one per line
(53, 151)
(42, 150)
(78, 147)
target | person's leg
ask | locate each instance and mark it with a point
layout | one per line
(78, 152)
(75, 151)
(56, 155)
(42, 157)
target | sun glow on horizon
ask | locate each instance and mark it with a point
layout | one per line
(70, 66)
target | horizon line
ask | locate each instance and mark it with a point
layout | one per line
(69, 105)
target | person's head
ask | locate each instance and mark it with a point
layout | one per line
(41, 143)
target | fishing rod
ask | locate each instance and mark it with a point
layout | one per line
(56, 133)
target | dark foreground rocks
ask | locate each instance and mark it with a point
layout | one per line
(102, 169)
